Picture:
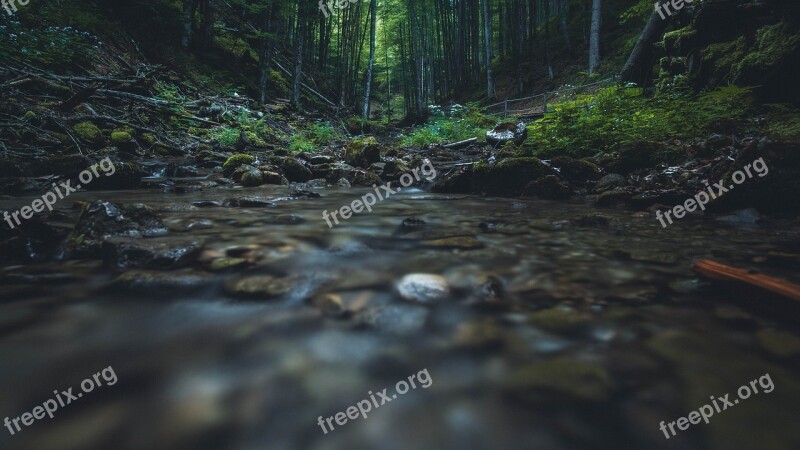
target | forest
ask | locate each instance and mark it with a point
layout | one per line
(527, 224)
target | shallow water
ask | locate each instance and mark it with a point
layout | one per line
(561, 330)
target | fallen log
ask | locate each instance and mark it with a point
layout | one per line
(460, 144)
(717, 271)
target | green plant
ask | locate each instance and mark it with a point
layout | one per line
(617, 115)
(465, 124)
(51, 46)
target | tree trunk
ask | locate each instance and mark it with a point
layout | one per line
(487, 33)
(205, 35)
(187, 22)
(594, 36)
(368, 88)
(298, 55)
(265, 56)
(638, 69)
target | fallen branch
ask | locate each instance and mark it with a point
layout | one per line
(719, 271)
(460, 144)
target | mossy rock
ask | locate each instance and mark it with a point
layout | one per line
(508, 177)
(564, 376)
(121, 137)
(148, 138)
(362, 152)
(576, 170)
(235, 161)
(548, 188)
(294, 170)
(89, 133)
(252, 178)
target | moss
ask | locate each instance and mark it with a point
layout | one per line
(30, 115)
(679, 41)
(252, 178)
(89, 132)
(148, 138)
(121, 137)
(723, 56)
(235, 161)
(362, 152)
(774, 43)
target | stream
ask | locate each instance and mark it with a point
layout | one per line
(542, 325)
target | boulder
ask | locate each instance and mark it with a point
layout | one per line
(507, 132)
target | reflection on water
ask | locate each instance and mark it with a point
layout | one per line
(553, 326)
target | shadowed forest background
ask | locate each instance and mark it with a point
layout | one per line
(534, 273)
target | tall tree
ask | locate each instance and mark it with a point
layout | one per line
(298, 52)
(638, 68)
(594, 36)
(373, 23)
(487, 39)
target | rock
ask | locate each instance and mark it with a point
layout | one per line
(69, 165)
(457, 242)
(123, 140)
(235, 161)
(342, 182)
(318, 183)
(160, 282)
(398, 319)
(252, 178)
(455, 181)
(295, 171)
(124, 252)
(100, 220)
(329, 304)
(779, 343)
(125, 176)
(563, 376)
(560, 319)
(364, 178)
(362, 152)
(575, 170)
(507, 132)
(609, 182)
(423, 288)
(274, 178)
(637, 156)
(247, 202)
(225, 264)
(613, 198)
(262, 287)
(549, 188)
(508, 177)
(90, 134)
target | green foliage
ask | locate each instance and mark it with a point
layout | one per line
(638, 12)
(317, 135)
(619, 115)
(464, 124)
(50, 47)
(783, 121)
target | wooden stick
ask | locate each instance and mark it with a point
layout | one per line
(717, 271)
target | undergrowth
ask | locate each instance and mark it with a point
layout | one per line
(613, 116)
